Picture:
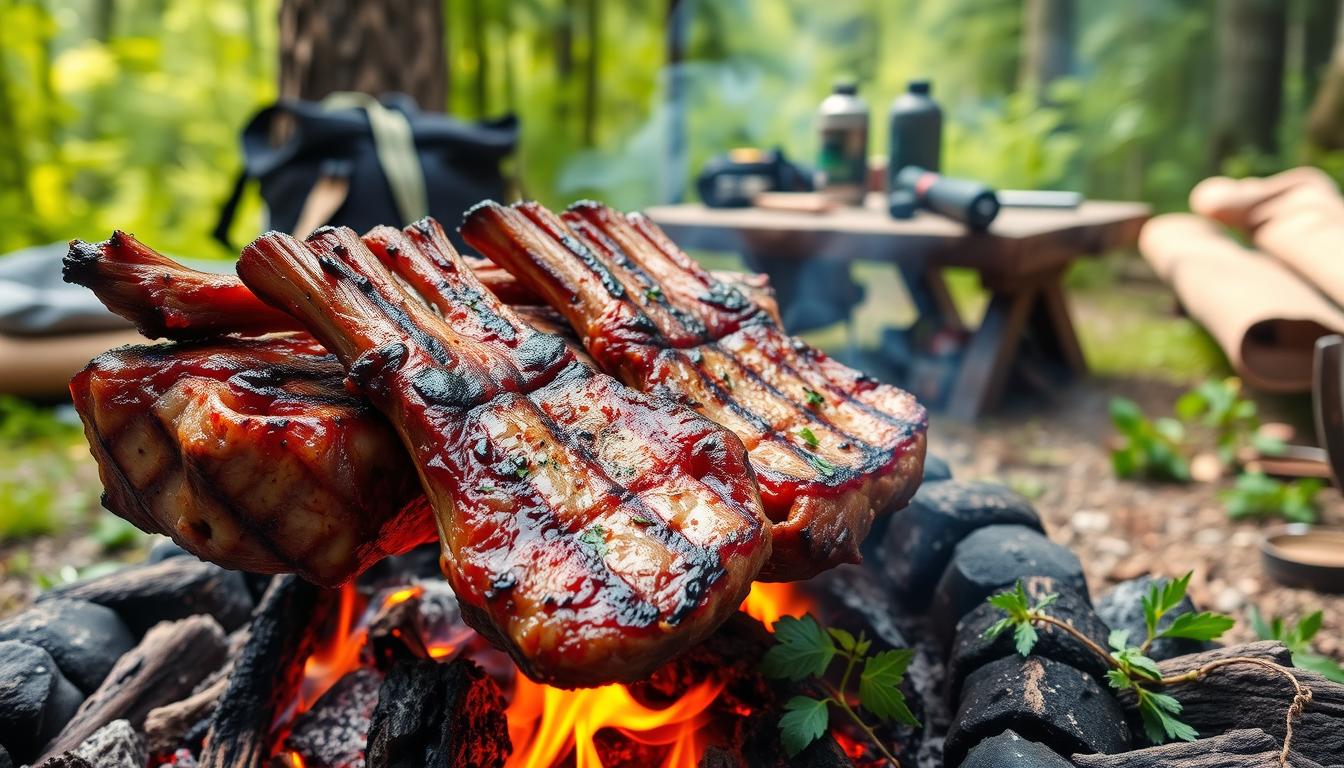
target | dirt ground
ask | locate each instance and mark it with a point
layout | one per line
(1122, 529)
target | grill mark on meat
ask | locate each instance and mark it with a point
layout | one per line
(613, 286)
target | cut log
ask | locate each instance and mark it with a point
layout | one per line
(1248, 696)
(165, 591)
(166, 727)
(432, 715)
(170, 660)
(1244, 748)
(267, 673)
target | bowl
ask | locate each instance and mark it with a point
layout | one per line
(1306, 556)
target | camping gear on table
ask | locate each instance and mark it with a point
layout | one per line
(842, 122)
(735, 179)
(969, 202)
(356, 161)
(916, 132)
(1262, 314)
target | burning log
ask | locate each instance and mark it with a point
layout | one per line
(172, 589)
(333, 733)
(267, 673)
(433, 715)
(170, 660)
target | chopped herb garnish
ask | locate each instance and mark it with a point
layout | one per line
(485, 488)
(727, 380)
(653, 294)
(814, 398)
(809, 437)
(640, 520)
(823, 466)
(595, 537)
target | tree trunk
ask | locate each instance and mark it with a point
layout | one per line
(590, 72)
(1047, 44)
(1252, 37)
(1318, 21)
(675, 162)
(362, 45)
(1325, 122)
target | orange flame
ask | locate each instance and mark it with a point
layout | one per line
(768, 601)
(546, 724)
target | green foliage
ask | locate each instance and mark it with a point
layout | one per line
(1234, 419)
(1297, 638)
(22, 422)
(1149, 449)
(1256, 495)
(27, 510)
(804, 650)
(1131, 667)
(114, 534)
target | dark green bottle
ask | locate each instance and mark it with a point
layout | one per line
(916, 136)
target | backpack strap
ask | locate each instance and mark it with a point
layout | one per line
(394, 143)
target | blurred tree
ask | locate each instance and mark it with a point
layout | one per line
(372, 46)
(1047, 44)
(1325, 122)
(1252, 40)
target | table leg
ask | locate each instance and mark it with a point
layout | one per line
(1037, 308)
(929, 293)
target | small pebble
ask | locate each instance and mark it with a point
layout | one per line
(1090, 521)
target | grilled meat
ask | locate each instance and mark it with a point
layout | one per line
(590, 530)
(831, 447)
(249, 453)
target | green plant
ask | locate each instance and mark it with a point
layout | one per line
(804, 650)
(26, 511)
(1147, 448)
(1131, 669)
(114, 534)
(1218, 404)
(1257, 495)
(1297, 637)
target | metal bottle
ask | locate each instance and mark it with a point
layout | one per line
(916, 136)
(842, 122)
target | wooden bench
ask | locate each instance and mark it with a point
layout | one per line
(1021, 262)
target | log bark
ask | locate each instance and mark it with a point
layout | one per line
(1252, 39)
(366, 46)
(267, 673)
(1247, 696)
(1243, 748)
(170, 660)
(432, 715)
(166, 727)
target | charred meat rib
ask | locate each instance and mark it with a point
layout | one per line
(250, 454)
(831, 447)
(590, 530)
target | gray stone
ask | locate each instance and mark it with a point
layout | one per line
(1063, 708)
(971, 650)
(35, 698)
(921, 538)
(84, 639)
(1121, 607)
(936, 469)
(992, 558)
(1008, 750)
(115, 745)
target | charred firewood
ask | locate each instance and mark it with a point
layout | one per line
(433, 715)
(333, 733)
(166, 727)
(170, 660)
(393, 634)
(1245, 748)
(173, 589)
(267, 673)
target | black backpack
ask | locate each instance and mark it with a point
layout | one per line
(355, 161)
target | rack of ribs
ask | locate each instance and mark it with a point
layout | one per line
(590, 530)
(831, 447)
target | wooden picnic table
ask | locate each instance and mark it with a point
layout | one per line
(1020, 261)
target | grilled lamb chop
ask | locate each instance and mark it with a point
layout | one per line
(588, 529)
(250, 454)
(831, 447)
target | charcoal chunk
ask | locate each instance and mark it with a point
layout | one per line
(992, 558)
(1008, 750)
(1121, 607)
(35, 698)
(921, 538)
(432, 715)
(84, 639)
(936, 469)
(1061, 707)
(169, 590)
(115, 745)
(5, 760)
(971, 650)
(333, 733)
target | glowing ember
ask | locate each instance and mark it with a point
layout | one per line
(546, 724)
(768, 601)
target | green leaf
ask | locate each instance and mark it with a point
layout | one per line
(1199, 626)
(1024, 638)
(814, 398)
(879, 686)
(1321, 665)
(1190, 405)
(803, 722)
(1159, 711)
(844, 638)
(1258, 624)
(1045, 602)
(802, 649)
(997, 628)
(1309, 626)
(1171, 429)
(1014, 602)
(1124, 463)
(653, 294)
(823, 466)
(1267, 445)
(1126, 414)
(595, 536)
(809, 437)
(1118, 679)
(1118, 639)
